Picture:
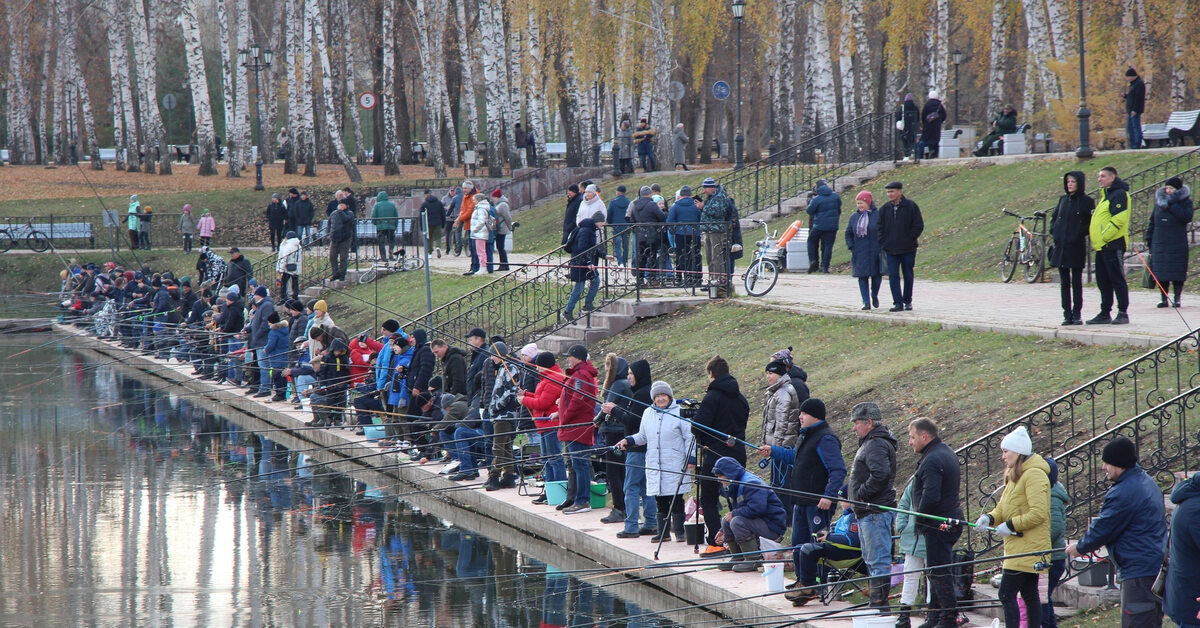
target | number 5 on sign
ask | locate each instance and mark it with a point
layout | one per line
(366, 100)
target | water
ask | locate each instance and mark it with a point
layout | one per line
(124, 504)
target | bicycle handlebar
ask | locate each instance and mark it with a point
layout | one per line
(1035, 214)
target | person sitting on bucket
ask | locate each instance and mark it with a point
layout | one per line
(755, 511)
(840, 542)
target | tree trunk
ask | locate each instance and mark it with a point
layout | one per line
(44, 131)
(491, 33)
(335, 138)
(387, 100)
(122, 99)
(996, 63)
(89, 118)
(198, 80)
(360, 151)
(466, 65)
(430, 17)
(17, 93)
(1059, 21)
(60, 132)
(661, 122)
(820, 65)
(535, 84)
(292, 49)
(783, 77)
(231, 95)
(1179, 42)
(849, 90)
(241, 81)
(1038, 49)
(159, 14)
(864, 67)
(309, 143)
(148, 89)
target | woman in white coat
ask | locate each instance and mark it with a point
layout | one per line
(668, 441)
(482, 232)
(288, 265)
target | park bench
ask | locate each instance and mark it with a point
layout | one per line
(1015, 143)
(948, 146)
(1157, 132)
(68, 231)
(1180, 125)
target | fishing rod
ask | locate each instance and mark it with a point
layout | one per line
(1161, 288)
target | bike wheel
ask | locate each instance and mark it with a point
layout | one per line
(368, 276)
(1035, 260)
(37, 242)
(1008, 264)
(412, 263)
(761, 277)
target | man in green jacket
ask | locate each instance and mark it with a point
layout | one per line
(1004, 124)
(384, 216)
(1109, 232)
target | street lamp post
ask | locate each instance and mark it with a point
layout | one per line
(739, 12)
(1085, 149)
(253, 63)
(957, 58)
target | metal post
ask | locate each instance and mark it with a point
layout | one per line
(258, 163)
(957, 96)
(425, 236)
(739, 140)
(1085, 150)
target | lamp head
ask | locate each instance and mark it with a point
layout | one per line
(268, 56)
(957, 56)
(254, 50)
(242, 54)
(739, 9)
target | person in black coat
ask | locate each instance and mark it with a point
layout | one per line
(303, 211)
(1166, 237)
(935, 492)
(1135, 105)
(723, 410)
(910, 116)
(239, 271)
(1068, 253)
(277, 216)
(420, 369)
(900, 224)
(933, 114)
(587, 250)
(574, 199)
(435, 218)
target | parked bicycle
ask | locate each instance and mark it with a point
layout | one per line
(37, 241)
(763, 272)
(1026, 248)
(399, 263)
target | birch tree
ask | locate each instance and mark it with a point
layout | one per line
(197, 79)
(1058, 23)
(143, 53)
(782, 66)
(309, 132)
(230, 93)
(292, 50)
(492, 35)
(659, 99)
(241, 83)
(846, 69)
(997, 53)
(86, 112)
(124, 127)
(864, 63)
(387, 99)
(938, 45)
(819, 66)
(462, 27)
(430, 16)
(1179, 43)
(535, 82)
(360, 153)
(335, 138)
(17, 92)
(1038, 49)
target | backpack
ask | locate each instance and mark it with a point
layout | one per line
(715, 213)
(492, 218)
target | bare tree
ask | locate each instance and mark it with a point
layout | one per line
(465, 59)
(292, 49)
(387, 96)
(194, 52)
(147, 77)
(335, 137)
(430, 17)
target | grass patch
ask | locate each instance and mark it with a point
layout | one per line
(969, 382)
(403, 293)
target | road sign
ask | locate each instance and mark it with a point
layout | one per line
(108, 218)
(721, 90)
(366, 100)
(676, 91)
(169, 102)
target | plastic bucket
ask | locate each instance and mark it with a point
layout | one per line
(773, 572)
(556, 492)
(374, 432)
(862, 618)
(599, 495)
(694, 533)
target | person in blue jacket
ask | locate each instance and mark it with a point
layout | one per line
(276, 355)
(1183, 578)
(1133, 526)
(825, 208)
(685, 238)
(840, 542)
(755, 512)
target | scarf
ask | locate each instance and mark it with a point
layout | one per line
(864, 221)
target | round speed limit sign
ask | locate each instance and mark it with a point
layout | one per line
(366, 100)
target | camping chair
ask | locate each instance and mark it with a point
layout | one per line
(835, 574)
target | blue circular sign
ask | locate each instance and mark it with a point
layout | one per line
(721, 90)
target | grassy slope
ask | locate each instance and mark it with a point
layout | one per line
(403, 293)
(967, 381)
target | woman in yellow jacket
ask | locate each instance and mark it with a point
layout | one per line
(1024, 509)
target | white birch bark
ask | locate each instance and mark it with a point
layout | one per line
(88, 115)
(1179, 42)
(360, 153)
(864, 65)
(309, 133)
(467, 65)
(941, 58)
(846, 69)
(230, 92)
(291, 53)
(387, 100)
(241, 81)
(335, 138)
(17, 93)
(535, 80)
(1029, 92)
(430, 17)
(124, 129)
(1126, 53)
(820, 65)
(270, 85)
(783, 68)
(512, 115)
(660, 101)
(44, 130)
(1059, 22)
(998, 50)
(1038, 50)
(194, 53)
(143, 53)
(60, 133)
(491, 34)
(160, 15)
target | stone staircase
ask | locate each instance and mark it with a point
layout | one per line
(799, 202)
(611, 320)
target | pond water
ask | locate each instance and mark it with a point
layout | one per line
(124, 502)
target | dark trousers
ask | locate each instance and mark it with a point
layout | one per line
(820, 242)
(284, 280)
(339, 258)
(939, 553)
(500, 252)
(710, 489)
(807, 519)
(898, 264)
(1071, 291)
(1140, 608)
(614, 470)
(649, 163)
(1110, 279)
(1057, 568)
(364, 405)
(187, 243)
(647, 256)
(670, 512)
(276, 236)
(987, 142)
(385, 238)
(1026, 584)
(688, 268)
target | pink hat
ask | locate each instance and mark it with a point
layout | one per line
(187, 208)
(865, 195)
(496, 193)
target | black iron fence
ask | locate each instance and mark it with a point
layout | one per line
(836, 152)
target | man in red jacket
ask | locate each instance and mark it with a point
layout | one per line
(576, 408)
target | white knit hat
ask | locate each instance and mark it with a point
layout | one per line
(1018, 442)
(661, 388)
(530, 351)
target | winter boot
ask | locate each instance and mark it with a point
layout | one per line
(735, 549)
(881, 588)
(677, 527)
(751, 558)
(663, 524)
(902, 619)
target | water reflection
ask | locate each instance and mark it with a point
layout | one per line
(127, 504)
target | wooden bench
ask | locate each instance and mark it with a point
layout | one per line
(1015, 143)
(1156, 133)
(1179, 126)
(68, 231)
(949, 146)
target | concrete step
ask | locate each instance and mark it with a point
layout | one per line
(314, 291)
(556, 344)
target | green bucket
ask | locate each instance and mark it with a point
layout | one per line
(599, 495)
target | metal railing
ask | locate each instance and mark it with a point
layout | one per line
(1145, 383)
(835, 152)
(526, 303)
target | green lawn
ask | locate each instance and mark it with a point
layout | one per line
(401, 293)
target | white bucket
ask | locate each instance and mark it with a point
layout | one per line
(865, 617)
(773, 572)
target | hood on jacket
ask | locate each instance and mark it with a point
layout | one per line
(1080, 181)
(1035, 462)
(382, 196)
(282, 324)
(1161, 198)
(1186, 489)
(824, 190)
(581, 369)
(419, 337)
(641, 370)
(726, 384)
(1119, 185)
(882, 431)
(615, 368)
(728, 467)
(337, 345)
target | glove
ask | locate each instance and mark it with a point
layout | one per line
(1004, 530)
(985, 520)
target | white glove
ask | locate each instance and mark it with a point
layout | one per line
(1004, 530)
(984, 521)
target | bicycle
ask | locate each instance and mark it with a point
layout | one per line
(37, 241)
(763, 272)
(1025, 248)
(401, 264)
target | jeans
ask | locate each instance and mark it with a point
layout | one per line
(577, 290)
(265, 372)
(635, 493)
(469, 244)
(621, 244)
(869, 294)
(1071, 291)
(811, 553)
(921, 146)
(805, 521)
(1133, 129)
(500, 252)
(897, 264)
(1110, 279)
(820, 247)
(582, 466)
(875, 532)
(1012, 583)
(462, 445)
(304, 232)
(649, 163)
(554, 469)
